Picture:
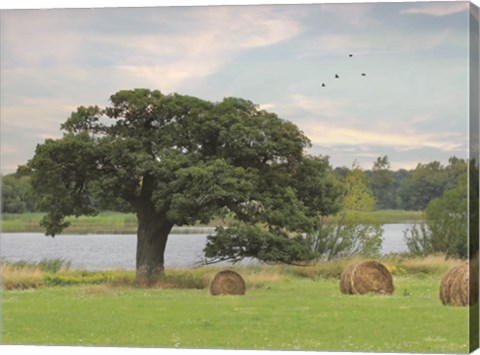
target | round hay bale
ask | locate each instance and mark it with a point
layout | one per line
(459, 286)
(227, 282)
(366, 276)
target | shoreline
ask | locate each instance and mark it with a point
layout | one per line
(126, 223)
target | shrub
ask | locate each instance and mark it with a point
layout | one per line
(446, 225)
(347, 236)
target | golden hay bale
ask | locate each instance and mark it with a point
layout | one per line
(364, 277)
(459, 287)
(227, 282)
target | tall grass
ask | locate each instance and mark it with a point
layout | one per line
(21, 275)
(45, 265)
(24, 275)
(432, 264)
(20, 278)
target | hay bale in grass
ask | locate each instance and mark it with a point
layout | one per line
(227, 282)
(459, 286)
(366, 276)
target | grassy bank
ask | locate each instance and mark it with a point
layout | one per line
(56, 272)
(103, 223)
(390, 216)
(284, 308)
(126, 223)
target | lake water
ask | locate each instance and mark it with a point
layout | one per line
(101, 252)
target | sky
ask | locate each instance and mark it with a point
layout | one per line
(411, 105)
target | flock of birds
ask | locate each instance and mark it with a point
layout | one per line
(338, 77)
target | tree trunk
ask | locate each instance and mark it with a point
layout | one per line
(152, 235)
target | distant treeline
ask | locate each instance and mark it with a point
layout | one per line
(408, 189)
(387, 189)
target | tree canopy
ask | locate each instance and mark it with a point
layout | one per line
(429, 181)
(358, 197)
(16, 195)
(380, 183)
(178, 160)
(446, 225)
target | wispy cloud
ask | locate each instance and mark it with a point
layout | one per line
(340, 121)
(357, 15)
(322, 107)
(437, 9)
(41, 38)
(325, 134)
(208, 41)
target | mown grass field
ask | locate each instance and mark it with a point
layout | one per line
(285, 308)
(126, 223)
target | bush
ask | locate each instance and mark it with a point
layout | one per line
(446, 225)
(347, 236)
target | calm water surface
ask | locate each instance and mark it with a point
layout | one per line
(101, 252)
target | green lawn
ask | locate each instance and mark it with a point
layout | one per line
(293, 314)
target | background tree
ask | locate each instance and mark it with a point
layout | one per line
(358, 197)
(398, 177)
(179, 160)
(380, 183)
(17, 195)
(473, 220)
(446, 225)
(429, 181)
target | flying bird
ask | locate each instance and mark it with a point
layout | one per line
(363, 74)
(350, 55)
(323, 85)
(336, 76)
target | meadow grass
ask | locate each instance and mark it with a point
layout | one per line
(126, 223)
(285, 308)
(281, 312)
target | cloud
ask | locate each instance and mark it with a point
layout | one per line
(322, 107)
(166, 49)
(267, 106)
(223, 34)
(170, 53)
(331, 122)
(40, 37)
(323, 45)
(437, 9)
(325, 134)
(356, 15)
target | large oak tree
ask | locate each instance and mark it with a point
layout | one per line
(180, 160)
